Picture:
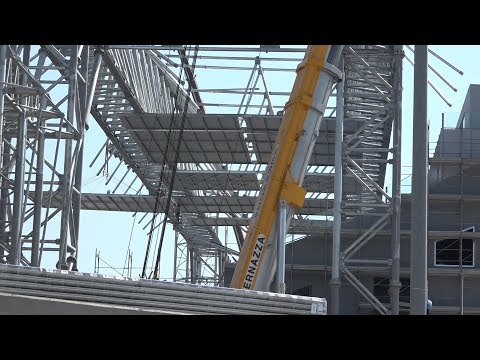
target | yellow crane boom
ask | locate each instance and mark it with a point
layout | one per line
(284, 175)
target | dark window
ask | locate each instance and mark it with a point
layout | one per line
(304, 291)
(381, 286)
(447, 252)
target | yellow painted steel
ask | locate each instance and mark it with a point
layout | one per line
(293, 194)
(296, 109)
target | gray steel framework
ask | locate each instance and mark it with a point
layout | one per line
(136, 81)
(33, 114)
(130, 83)
(104, 81)
(371, 92)
(132, 91)
(247, 140)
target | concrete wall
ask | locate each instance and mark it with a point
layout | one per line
(470, 114)
(444, 289)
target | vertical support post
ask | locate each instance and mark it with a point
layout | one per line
(216, 275)
(3, 204)
(131, 263)
(461, 221)
(221, 265)
(4, 199)
(192, 266)
(418, 247)
(175, 260)
(97, 261)
(16, 245)
(395, 283)
(85, 110)
(3, 55)
(335, 282)
(462, 275)
(67, 181)
(38, 197)
(282, 234)
(18, 189)
(187, 263)
(198, 268)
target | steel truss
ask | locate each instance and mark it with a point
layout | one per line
(34, 114)
(114, 83)
(136, 81)
(370, 94)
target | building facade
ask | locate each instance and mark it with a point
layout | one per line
(453, 235)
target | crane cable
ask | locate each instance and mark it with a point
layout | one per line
(164, 175)
(175, 164)
(161, 178)
(137, 205)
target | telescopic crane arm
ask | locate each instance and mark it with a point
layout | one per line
(285, 172)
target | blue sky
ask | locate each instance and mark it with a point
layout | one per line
(111, 232)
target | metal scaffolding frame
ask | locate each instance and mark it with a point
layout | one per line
(131, 92)
(371, 95)
(33, 115)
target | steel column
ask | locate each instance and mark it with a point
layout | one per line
(16, 245)
(192, 267)
(3, 54)
(38, 197)
(282, 234)
(337, 202)
(67, 181)
(18, 190)
(395, 283)
(418, 247)
(4, 200)
(84, 112)
(175, 260)
(3, 204)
